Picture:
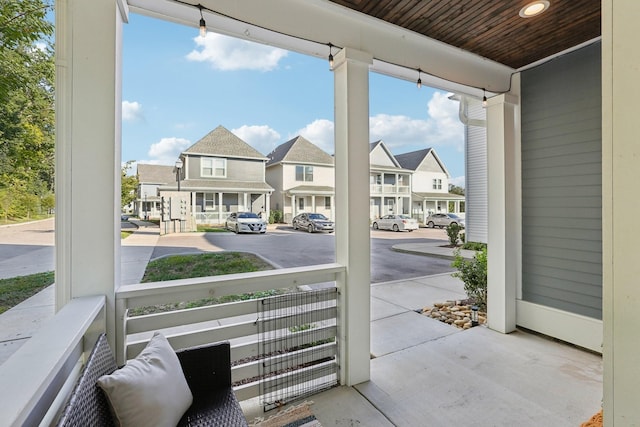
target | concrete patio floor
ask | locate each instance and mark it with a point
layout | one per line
(427, 373)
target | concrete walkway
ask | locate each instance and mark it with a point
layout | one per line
(20, 322)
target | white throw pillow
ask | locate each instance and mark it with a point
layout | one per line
(151, 389)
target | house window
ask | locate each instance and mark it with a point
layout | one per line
(304, 173)
(327, 202)
(213, 167)
(301, 204)
(209, 201)
(437, 184)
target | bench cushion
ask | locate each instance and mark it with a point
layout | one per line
(151, 389)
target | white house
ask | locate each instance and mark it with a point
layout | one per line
(302, 176)
(429, 183)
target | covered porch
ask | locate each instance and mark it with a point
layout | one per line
(90, 298)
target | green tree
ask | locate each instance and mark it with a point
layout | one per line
(26, 105)
(454, 189)
(128, 185)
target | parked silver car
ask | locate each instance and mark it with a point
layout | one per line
(245, 222)
(395, 223)
(443, 220)
(312, 222)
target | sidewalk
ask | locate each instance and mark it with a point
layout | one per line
(22, 321)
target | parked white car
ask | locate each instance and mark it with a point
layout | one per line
(395, 223)
(443, 220)
(245, 222)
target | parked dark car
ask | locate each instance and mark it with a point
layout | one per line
(443, 220)
(312, 222)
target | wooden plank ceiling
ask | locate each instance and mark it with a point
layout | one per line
(492, 28)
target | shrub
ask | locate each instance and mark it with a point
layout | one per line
(275, 216)
(473, 274)
(474, 246)
(453, 231)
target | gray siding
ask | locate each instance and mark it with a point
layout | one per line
(237, 169)
(561, 183)
(476, 197)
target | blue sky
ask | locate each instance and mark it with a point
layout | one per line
(178, 86)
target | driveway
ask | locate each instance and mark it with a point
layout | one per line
(286, 247)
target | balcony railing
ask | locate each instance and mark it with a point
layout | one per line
(283, 347)
(388, 189)
(300, 337)
(39, 377)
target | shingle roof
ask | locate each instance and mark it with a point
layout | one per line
(219, 185)
(412, 159)
(221, 142)
(311, 189)
(155, 174)
(299, 150)
(439, 196)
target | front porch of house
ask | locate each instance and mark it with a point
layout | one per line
(90, 298)
(423, 372)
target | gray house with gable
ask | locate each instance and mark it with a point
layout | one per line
(221, 174)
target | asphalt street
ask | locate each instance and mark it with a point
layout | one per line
(285, 247)
(32, 244)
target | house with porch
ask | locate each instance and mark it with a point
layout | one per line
(220, 174)
(302, 175)
(429, 184)
(561, 113)
(389, 183)
(150, 177)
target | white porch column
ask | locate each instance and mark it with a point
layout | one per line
(620, 177)
(88, 147)
(220, 207)
(333, 209)
(424, 211)
(244, 203)
(294, 207)
(267, 206)
(313, 203)
(351, 97)
(503, 157)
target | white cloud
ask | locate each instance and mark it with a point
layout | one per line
(132, 111)
(167, 150)
(441, 127)
(228, 53)
(458, 180)
(262, 138)
(319, 132)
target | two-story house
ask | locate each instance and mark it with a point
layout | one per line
(302, 176)
(389, 183)
(220, 174)
(150, 178)
(429, 183)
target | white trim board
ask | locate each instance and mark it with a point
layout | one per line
(573, 328)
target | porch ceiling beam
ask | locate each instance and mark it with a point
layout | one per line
(307, 26)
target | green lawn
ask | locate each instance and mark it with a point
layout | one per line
(202, 265)
(17, 289)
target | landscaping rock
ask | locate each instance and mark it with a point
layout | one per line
(454, 313)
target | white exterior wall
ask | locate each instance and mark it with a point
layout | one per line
(379, 157)
(476, 196)
(422, 182)
(322, 176)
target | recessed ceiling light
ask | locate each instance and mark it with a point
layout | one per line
(534, 9)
